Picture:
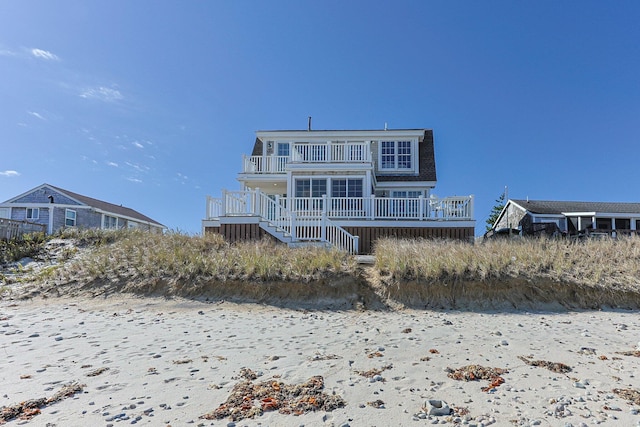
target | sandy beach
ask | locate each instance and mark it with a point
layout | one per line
(165, 362)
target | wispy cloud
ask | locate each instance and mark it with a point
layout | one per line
(137, 144)
(44, 54)
(6, 52)
(9, 174)
(36, 115)
(136, 180)
(138, 167)
(102, 93)
(113, 164)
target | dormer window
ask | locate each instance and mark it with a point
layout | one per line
(395, 155)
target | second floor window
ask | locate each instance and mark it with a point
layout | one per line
(33, 213)
(283, 149)
(395, 155)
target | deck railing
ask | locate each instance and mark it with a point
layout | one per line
(12, 229)
(330, 152)
(254, 202)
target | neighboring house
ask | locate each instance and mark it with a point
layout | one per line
(572, 218)
(57, 208)
(344, 188)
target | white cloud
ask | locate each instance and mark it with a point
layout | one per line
(138, 167)
(5, 52)
(10, 174)
(137, 144)
(44, 54)
(102, 93)
(134, 180)
(114, 164)
(36, 115)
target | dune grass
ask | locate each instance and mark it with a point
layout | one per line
(589, 262)
(409, 273)
(137, 255)
(14, 250)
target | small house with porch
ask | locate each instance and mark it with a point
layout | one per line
(533, 217)
(339, 188)
(56, 208)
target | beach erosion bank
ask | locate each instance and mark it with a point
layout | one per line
(171, 361)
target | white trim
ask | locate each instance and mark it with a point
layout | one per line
(75, 217)
(324, 135)
(405, 184)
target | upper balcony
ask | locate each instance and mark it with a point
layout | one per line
(309, 153)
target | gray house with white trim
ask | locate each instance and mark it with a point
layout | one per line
(571, 218)
(57, 208)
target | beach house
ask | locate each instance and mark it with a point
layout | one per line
(533, 217)
(340, 188)
(56, 208)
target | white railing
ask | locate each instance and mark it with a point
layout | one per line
(264, 164)
(458, 208)
(330, 152)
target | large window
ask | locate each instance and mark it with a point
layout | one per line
(315, 188)
(346, 188)
(69, 218)
(5, 213)
(110, 222)
(346, 196)
(395, 155)
(33, 213)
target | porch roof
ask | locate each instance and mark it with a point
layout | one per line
(564, 207)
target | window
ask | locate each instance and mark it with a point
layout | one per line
(5, 213)
(314, 188)
(603, 223)
(346, 195)
(132, 224)
(283, 149)
(346, 188)
(406, 205)
(623, 224)
(69, 218)
(395, 155)
(110, 222)
(33, 213)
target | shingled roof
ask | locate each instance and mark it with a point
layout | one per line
(106, 206)
(559, 207)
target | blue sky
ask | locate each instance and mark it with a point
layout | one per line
(152, 103)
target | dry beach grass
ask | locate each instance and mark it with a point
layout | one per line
(406, 273)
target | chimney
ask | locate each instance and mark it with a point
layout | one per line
(309, 125)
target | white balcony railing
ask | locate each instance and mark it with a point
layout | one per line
(254, 202)
(330, 152)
